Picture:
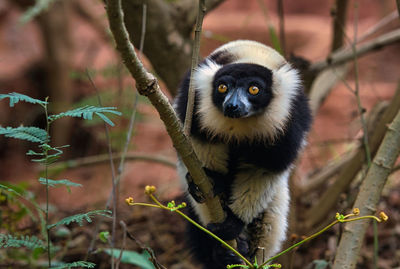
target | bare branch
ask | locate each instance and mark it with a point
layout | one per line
(103, 158)
(378, 26)
(368, 197)
(123, 245)
(113, 176)
(188, 8)
(344, 55)
(338, 13)
(195, 59)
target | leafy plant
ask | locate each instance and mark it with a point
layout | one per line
(132, 257)
(7, 240)
(75, 264)
(79, 218)
(47, 155)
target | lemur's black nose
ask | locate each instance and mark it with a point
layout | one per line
(232, 110)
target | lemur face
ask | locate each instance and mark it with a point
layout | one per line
(242, 90)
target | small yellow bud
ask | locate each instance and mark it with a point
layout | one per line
(149, 190)
(356, 211)
(184, 204)
(383, 216)
(337, 215)
(129, 200)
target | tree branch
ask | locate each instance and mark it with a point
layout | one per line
(344, 55)
(188, 9)
(104, 158)
(195, 60)
(398, 6)
(338, 13)
(368, 197)
(147, 85)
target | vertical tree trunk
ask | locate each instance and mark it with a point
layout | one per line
(368, 197)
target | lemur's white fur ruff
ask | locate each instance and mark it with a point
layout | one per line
(286, 82)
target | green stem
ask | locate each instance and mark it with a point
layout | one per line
(375, 226)
(216, 237)
(299, 243)
(47, 183)
(360, 218)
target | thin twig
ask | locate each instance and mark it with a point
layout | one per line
(114, 194)
(338, 12)
(378, 26)
(143, 32)
(195, 59)
(152, 258)
(123, 225)
(103, 158)
(357, 90)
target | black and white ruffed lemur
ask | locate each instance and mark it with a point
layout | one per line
(250, 121)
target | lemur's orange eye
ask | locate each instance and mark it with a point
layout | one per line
(253, 90)
(222, 88)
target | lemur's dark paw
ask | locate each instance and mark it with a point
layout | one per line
(222, 257)
(243, 245)
(230, 228)
(227, 230)
(218, 180)
(194, 190)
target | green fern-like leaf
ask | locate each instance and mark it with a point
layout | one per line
(17, 97)
(87, 112)
(75, 264)
(50, 154)
(79, 218)
(56, 183)
(8, 240)
(32, 134)
(132, 257)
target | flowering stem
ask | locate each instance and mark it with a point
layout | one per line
(299, 243)
(339, 219)
(159, 205)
